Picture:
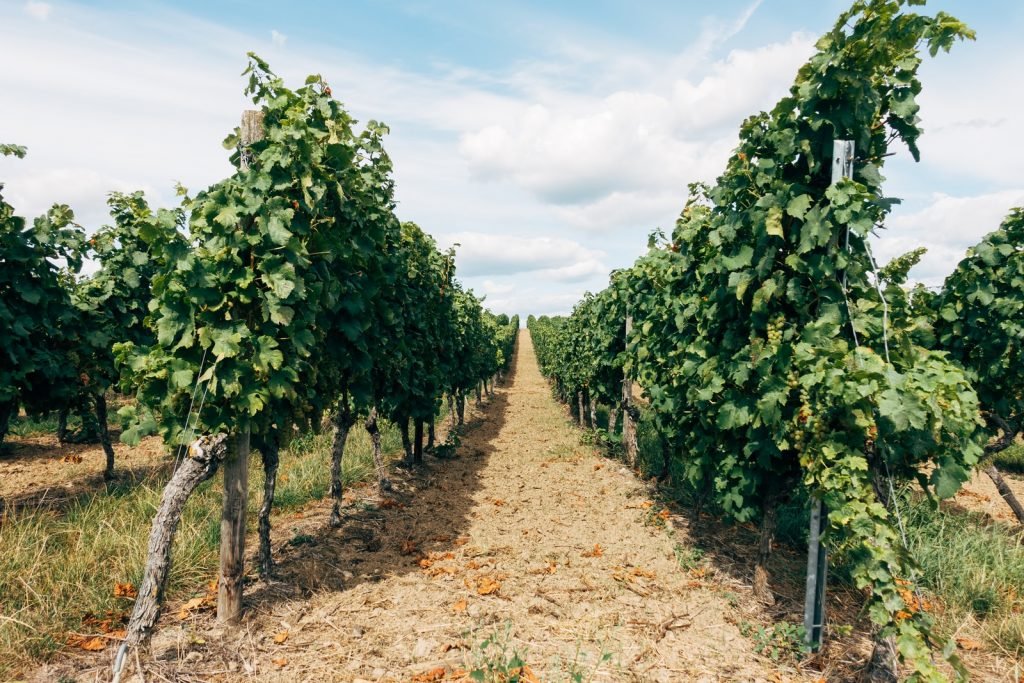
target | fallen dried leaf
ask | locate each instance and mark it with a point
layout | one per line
(125, 590)
(281, 637)
(598, 466)
(460, 606)
(431, 676)
(598, 551)
(192, 605)
(485, 585)
(279, 661)
(498, 502)
(71, 458)
(410, 547)
(646, 505)
(94, 644)
(390, 504)
(970, 644)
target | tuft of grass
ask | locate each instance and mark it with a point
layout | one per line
(58, 566)
(974, 568)
(1011, 459)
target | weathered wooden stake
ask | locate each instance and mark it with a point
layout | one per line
(232, 530)
(236, 465)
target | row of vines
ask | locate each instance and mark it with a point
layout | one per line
(286, 297)
(778, 359)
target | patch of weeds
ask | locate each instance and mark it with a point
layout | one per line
(447, 449)
(731, 598)
(1011, 459)
(496, 661)
(688, 557)
(301, 539)
(778, 641)
(579, 672)
(657, 517)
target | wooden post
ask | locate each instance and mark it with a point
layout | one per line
(236, 465)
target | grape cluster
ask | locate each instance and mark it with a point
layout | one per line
(775, 328)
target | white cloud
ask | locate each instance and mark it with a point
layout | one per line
(550, 258)
(277, 38)
(947, 227)
(601, 156)
(38, 10)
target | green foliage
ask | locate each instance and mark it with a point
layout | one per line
(35, 306)
(779, 641)
(979, 318)
(295, 288)
(760, 335)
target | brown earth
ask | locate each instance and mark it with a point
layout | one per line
(525, 544)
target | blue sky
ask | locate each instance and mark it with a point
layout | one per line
(547, 139)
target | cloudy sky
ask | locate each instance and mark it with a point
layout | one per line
(547, 139)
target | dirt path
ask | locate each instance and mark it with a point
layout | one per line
(527, 540)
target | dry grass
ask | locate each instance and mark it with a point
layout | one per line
(59, 566)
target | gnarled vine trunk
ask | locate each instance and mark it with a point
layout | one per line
(1005, 491)
(431, 436)
(378, 456)
(580, 415)
(593, 412)
(417, 441)
(451, 412)
(104, 432)
(403, 431)
(479, 397)
(613, 419)
(460, 406)
(270, 453)
(769, 522)
(1009, 434)
(62, 425)
(204, 458)
(343, 422)
(8, 409)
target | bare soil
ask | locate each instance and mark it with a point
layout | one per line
(526, 540)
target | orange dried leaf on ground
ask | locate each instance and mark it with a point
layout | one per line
(598, 466)
(498, 502)
(410, 547)
(485, 585)
(434, 572)
(699, 572)
(664, 514)
(281, 637)
(431, 676)
(72, 458)
(646, 505)
(279, 661)
(390, 504)
(425, 562)
(597, 551)
(94, 644)
(125, 590)
(473, 564)
(462, 540)
(193, 604)
(211, 587)
(970, 644)
(460, 606)
(524, 674)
